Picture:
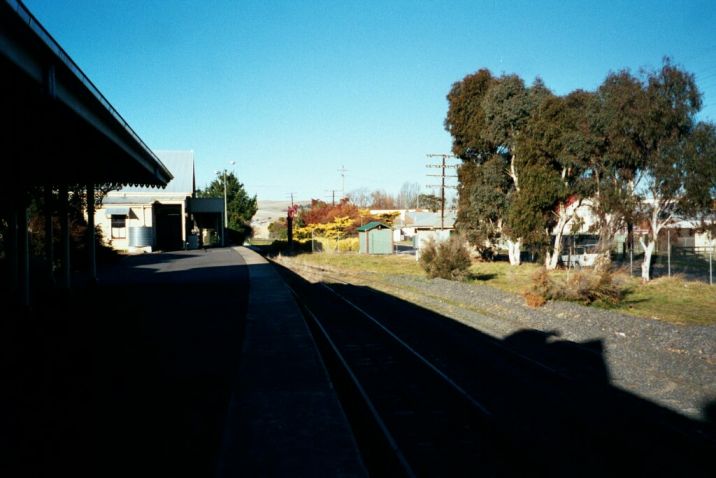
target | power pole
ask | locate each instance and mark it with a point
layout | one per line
(343, 172)
(291, 194)
(443, 166)
(333, 195)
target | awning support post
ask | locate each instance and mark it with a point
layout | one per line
(65, 278)
(91, 236)
(49, 235)
(12, 251)
(24, 242)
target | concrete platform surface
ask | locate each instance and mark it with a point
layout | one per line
(284, 417)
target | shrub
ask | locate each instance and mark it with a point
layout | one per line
(585, 286)
(543, 289)
(534, 300)
(348, 245)
(337, 245)
(448, 259)
(588, 287)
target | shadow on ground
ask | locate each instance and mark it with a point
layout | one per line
(551, 398)
(135, 381)
(128, 378)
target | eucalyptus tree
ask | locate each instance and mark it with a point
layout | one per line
(561, 143)
(486, 117)
(622, 121)
(700, 157)
(671, 152)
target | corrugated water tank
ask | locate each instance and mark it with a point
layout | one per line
(140, 236)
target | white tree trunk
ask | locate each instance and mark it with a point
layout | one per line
(513, 250)
(553, 259)
(646, 264)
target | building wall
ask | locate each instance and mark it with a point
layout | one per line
(140, 215)
(376, 241)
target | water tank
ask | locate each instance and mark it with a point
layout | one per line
(140, 236)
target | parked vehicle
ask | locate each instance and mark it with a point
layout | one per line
(580, 256)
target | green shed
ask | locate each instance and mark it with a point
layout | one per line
(375, 238)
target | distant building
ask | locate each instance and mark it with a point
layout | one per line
(145, 219)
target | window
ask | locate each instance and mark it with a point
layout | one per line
(119, 227)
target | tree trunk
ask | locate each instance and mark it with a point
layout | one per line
(513, 250)
(646, 264)
(553, 259)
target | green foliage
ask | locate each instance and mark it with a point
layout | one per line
(447, 259)
(527, 153)
(466, 119)
(700, 155)
(530, 211)
(278, 229)
(240, 206)
(430, 201)
(483, 202)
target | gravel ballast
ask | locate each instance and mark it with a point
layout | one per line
(671, 365)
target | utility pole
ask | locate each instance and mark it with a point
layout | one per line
(226, 213)
(291, 194)
(343, 172)
(443, 166)
(333, 195)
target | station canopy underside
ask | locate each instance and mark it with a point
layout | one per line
(59, 129)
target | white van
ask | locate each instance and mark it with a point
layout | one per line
(581, 256)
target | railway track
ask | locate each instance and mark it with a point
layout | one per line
(431, 397)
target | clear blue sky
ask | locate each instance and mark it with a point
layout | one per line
(293, 90)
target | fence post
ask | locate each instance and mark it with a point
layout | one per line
(711, 269)
(668, 249)
(631, 261)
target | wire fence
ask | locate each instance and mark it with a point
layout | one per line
(691, 263)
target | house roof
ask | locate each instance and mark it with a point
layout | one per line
(181, 165)
(372, 225)
(428, 219)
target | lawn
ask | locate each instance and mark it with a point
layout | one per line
(672, 299)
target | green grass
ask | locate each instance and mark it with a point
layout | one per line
(388, 265)
(672, 299)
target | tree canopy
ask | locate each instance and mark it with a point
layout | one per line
(632, 150)
(240, 207)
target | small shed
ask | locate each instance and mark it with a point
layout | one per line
(375, 238)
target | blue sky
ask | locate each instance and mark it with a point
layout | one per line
(294, 90)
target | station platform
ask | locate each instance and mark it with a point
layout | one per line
(284, 417)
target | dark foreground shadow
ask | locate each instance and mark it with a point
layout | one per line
(551, 398)
(129, 378)
(133, 378)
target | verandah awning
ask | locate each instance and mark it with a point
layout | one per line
(116, 211)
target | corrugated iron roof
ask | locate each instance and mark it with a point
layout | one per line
(372, 225)
(181, 165)
(428, 219)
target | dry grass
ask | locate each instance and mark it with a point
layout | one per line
(672, 300)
